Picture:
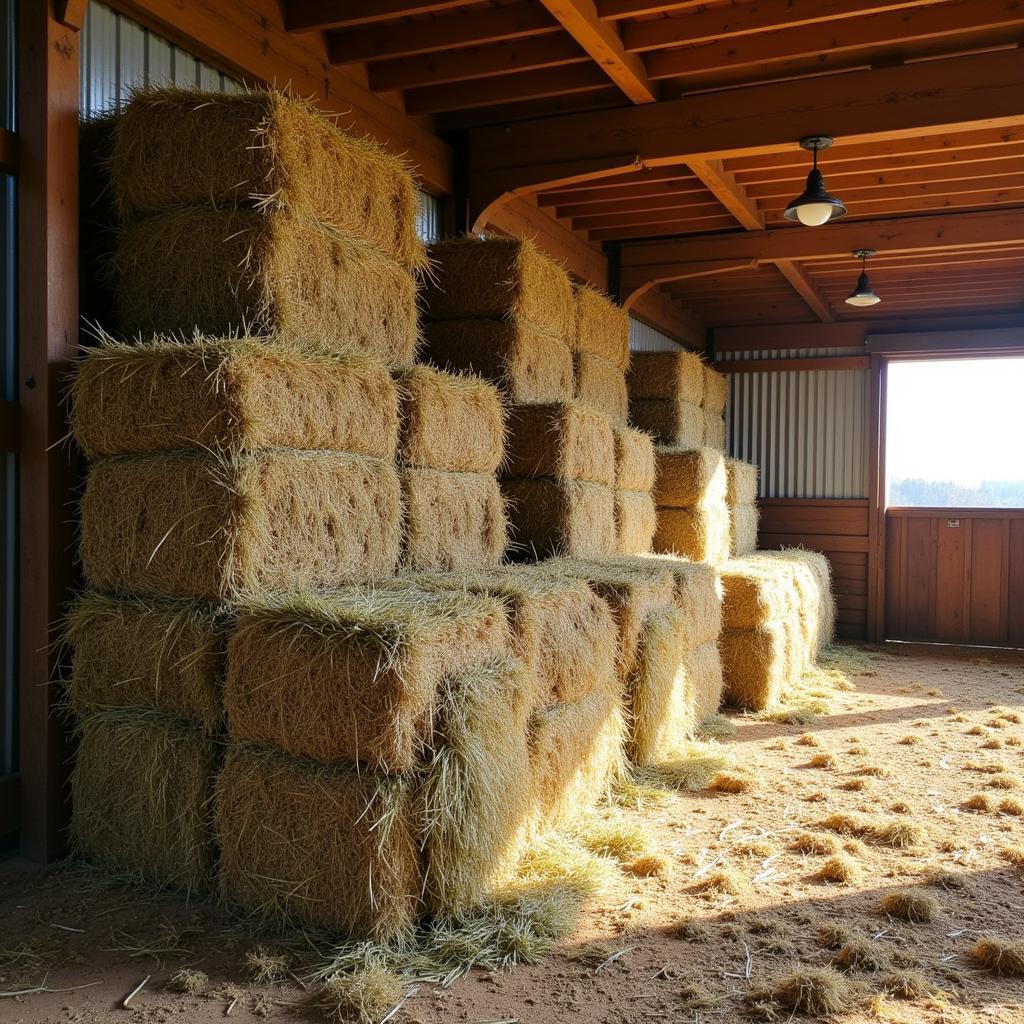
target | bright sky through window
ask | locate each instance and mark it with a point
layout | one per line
(955, 433)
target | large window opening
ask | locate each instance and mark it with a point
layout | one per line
(954, 436)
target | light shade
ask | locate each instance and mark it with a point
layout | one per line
(815, 205)
(862, 295)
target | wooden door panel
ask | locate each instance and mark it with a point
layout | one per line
(1015, 589)
(951, 580)
(919, 577)
(988, 578)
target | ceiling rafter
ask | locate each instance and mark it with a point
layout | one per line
(806, 289)
(728, 191)
(320, 15)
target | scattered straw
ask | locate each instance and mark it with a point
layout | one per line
(823, 761)
(840, 868)
(978, 802)
(855, 785)
(362, 997)
(808, 740)
(816, 842)
(1003, 781)
(816, 991)
(907, 985)
(731, 782)
(1011, 805)
(189, 981)
(861, 954)
(1001, 956)
(265, 966)
(912, 904)
(725, 879)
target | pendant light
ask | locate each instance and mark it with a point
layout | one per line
(815, 206)
(863, 295)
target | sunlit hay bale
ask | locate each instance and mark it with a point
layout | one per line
(140, 789)
(741, 480)
(524, 362)
(560, 628)
(155, 654)
(756, 665)
(861, 954)
(475, 797)
(998, 955)
(211, 526)
(184, 147)
(636, 522)
(452, 520)
(635, 463)
(232, 394)
(551, 517)
(714, 431)
(353, 675)
(669, 422)
(912, 904)
(667, 376)
(689, 477)
(700, 533)
(743, 525)
(563, 441)
(819, 992)
(716, 391)
(812, 579)
(499, 277)
(601, 326)
(600, 385)
(328, 845)
(225, 272)
(757, 592)
(451, 422)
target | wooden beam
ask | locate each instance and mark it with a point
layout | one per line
(725, 188)
(957, 94)
(319, 15)
(668, 315)
(805, 288)
(10, 426)
(580, 19)
(792, 365)
(71, 13)
(1006, 340)
(637, 295)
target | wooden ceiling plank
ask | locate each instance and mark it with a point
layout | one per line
(665, 204)
(601, 40)
(921, 203)
(654, 218)
(522, 110)
(684, 227)
(596, 197)
(319, 15)
(615, 10)
(805, 288)
(733, 196)
(552, 196)
(469, 28)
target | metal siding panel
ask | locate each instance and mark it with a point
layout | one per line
(131, 58)
(643, 338)
(428, 217)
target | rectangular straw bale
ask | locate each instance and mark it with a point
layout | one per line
(602, 386)
(451, 422)
(689, 476)
(601, 326)
(237, 394)
(563, 441)
(756, 665)
(525, 362)
(327, 845)
(635, 461)
(700, 533)
(140, 791)
(813, 582)
(156, 654)
(714, 431)
(184, 147)
(757, 591)
(698, 593)
(667, 376)
(452, 520)
(549, 517)
(354, 674)
(742, 482)
(678, 424)
(716, 391)
(499, 277)
(210, 527)
(223, 272)
(743, 521)
(636, 521)
(710, 682)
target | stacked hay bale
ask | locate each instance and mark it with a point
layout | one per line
(666, 390)
(636, 515)
(715, 395)
(741, 497)
(600, 347)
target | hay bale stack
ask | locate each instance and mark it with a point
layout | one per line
(690, 493)
(741, 497)
(716, 393)
(665, 394)
(817, 601)
(453, 440)
(600, 344)
(636, 516)
(499, 308)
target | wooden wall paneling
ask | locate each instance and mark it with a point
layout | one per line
(1015, 585)
(877, 542)
(893, 582)
(920, 544)
(951, 581)
(990, 544)
(838, 518)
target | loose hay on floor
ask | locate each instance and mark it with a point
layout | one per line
(998, 955)
(912, 904)
(562, 441)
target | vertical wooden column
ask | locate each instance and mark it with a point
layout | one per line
(876, 501)
(48, 339)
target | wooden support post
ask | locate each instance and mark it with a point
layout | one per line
(876, 502)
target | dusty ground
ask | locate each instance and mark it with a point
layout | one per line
(915, 734)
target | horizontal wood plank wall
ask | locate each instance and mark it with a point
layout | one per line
(838, 528)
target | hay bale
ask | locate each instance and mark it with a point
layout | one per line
(716, 391)
(223, 272)
(183, 147)
(742, 482)
(814, 588)
(743, 521)
(689, 477)
(526, 363)
(353, 675)
(549, 517)
(601, 326)
(140, 790)
(231, 394)
(709, 680)
(635, 461)
(209, 527)
(668, 376)
(714, 431)
(602, 386)
(756, 665)
(636, 521)
(452, 520)
(700, 533)
(674, 423)
(563, 441)
(327, 845)
(156, 654)
(697, 591)
(451, 422)
(499, 278)
(757, 591)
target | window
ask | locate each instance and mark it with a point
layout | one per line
(953, 433)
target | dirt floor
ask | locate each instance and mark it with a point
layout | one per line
(928, 736)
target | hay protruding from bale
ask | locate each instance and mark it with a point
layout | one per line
(230, 394)
(601, 327)
(602, 386)
(564, 441)
(635, 462)
(667, 376)
(550, 517)
(671, 422)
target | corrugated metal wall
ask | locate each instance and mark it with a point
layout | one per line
(643, 338)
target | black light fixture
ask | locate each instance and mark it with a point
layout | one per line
(815, 206)
(863, 295)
